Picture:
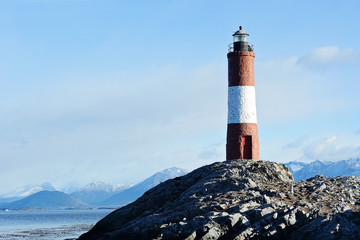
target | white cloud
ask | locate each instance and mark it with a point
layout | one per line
(299, 142)
(333, 148)
(287, 91)
(295, 100)
(121, 124)
(213, 152)
(112, 129)
(321, 147)
(324, 56)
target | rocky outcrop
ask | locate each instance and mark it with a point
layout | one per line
(239, 200)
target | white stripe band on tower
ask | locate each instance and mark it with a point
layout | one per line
(241, 104)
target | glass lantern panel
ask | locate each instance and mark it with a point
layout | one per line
(240, 38)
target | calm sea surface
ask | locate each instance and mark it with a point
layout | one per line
(32, 222)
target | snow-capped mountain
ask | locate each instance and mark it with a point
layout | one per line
(139, 189)
(45, 200)
(46, 196)
(26, 191)
(160, 177)
(295, 166)
(350, 167)
(96, 192)
(101, 186)
(69, 189)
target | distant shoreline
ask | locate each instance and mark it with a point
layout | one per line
(56, 209)
(48, 224)
(63, 232)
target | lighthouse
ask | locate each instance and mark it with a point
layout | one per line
(242, 141)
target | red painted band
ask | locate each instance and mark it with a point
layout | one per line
(242, 141)
(241, 68)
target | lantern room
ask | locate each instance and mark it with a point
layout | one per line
(240, 43)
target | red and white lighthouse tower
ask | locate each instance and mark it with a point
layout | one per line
(242, 134)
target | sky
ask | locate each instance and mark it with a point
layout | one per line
(114, 91)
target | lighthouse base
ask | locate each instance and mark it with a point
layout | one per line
(242, 141)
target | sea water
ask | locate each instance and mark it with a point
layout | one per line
(48, 224)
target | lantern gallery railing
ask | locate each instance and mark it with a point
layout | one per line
(231, 47)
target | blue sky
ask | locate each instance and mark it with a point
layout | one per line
(116, 90)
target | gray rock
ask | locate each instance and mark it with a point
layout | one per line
(234, 219)
(267, 210)
(239, 200)
(290, 218)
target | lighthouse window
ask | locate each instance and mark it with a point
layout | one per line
(241, 38)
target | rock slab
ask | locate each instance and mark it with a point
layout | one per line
(239, 200)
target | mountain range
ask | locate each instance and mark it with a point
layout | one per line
(303, 171)
(102, 194)
(45, 200)
(131, 194)
(25, 191)
(92, 195)
(96, 192)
